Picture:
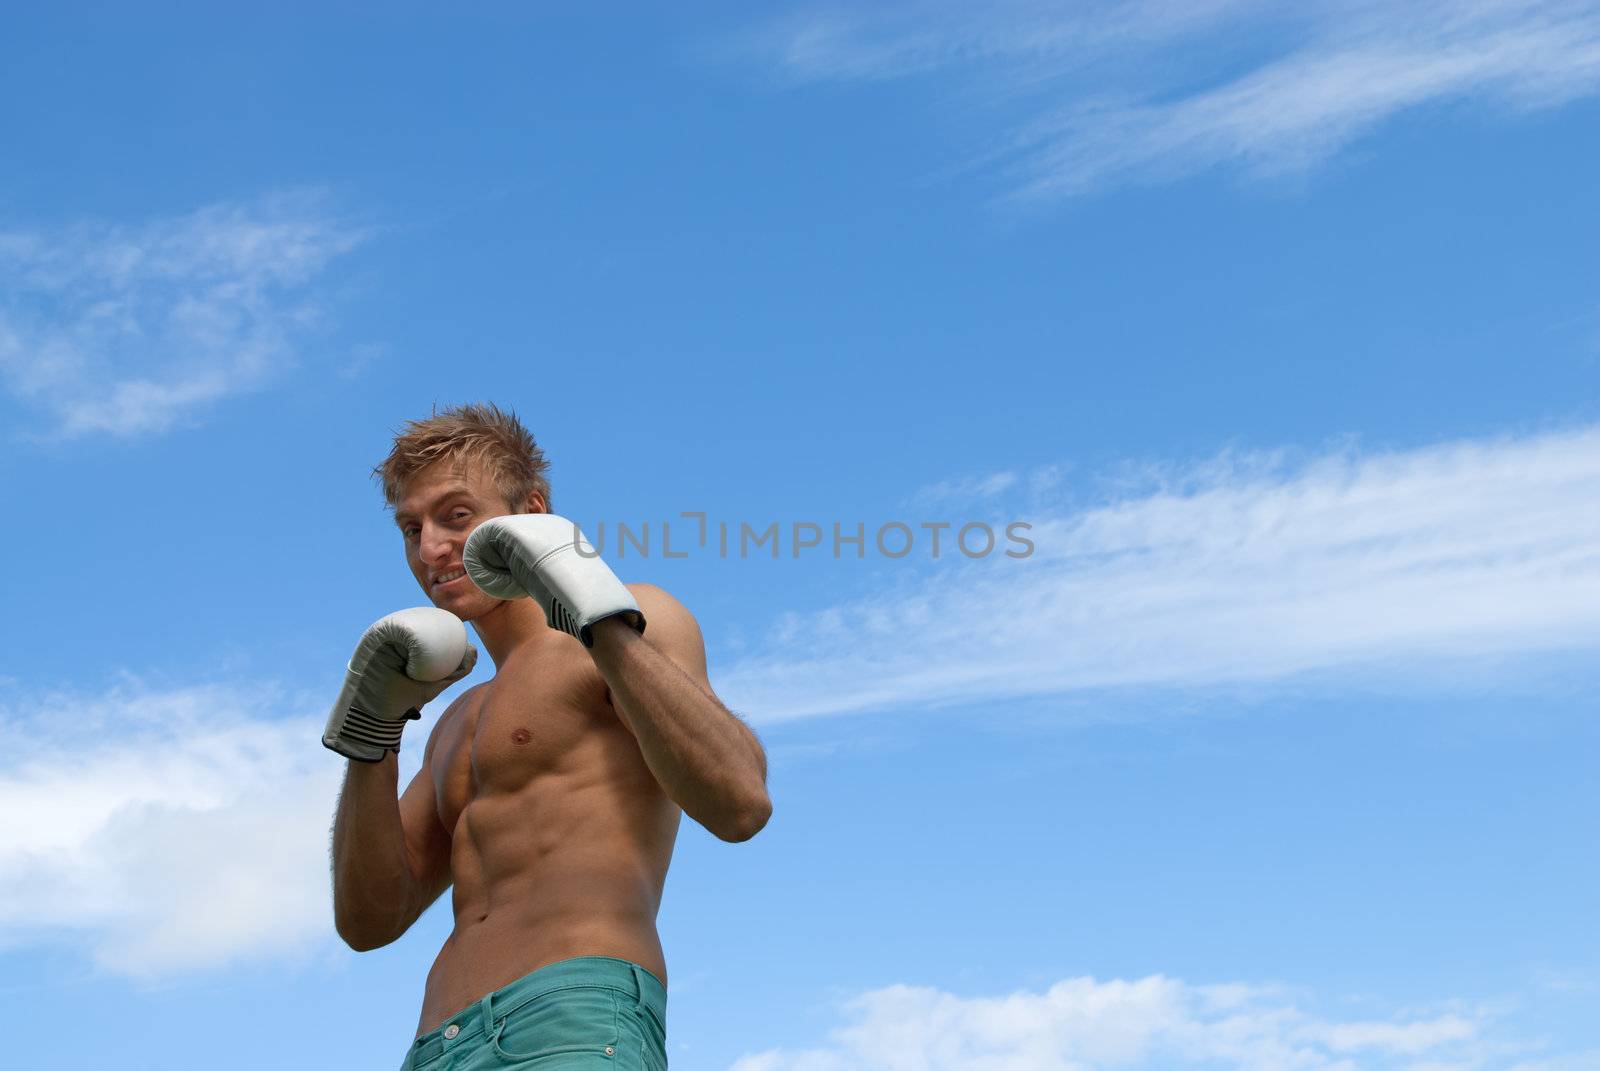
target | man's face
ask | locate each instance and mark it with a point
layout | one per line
(438, 508)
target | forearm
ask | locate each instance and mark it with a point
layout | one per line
(374, 889)
(706, 760)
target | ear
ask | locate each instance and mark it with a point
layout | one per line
(534, 503)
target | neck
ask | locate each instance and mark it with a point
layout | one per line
(508, 626)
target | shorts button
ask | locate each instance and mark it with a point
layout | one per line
(610, 1051)
(451, 1031)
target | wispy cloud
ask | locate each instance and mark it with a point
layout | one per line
(1239, 570)
(970, 492)
(1136, 92)
(1080, 1024)
(164, 830)
(965, 489)
(132, 330)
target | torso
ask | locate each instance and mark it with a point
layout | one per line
(561, 835)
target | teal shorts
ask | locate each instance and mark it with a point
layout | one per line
(576, 1015)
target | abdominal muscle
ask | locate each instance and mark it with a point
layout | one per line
(572, 863)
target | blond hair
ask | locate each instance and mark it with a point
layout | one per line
(473, 432)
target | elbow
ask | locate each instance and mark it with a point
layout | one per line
(356, 939)
(747, 822)
(360, 941)
(361, 935)
(359, 944)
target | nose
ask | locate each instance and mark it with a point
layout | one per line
(433, 543)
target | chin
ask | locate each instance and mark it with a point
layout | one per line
(466, 607)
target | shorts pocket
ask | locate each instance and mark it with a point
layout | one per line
(652, 1039)
(564, 1022)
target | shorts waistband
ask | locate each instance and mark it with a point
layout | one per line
(606, 972)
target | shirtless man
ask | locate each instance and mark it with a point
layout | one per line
(550, 795)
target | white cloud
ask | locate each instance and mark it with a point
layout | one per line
(965, 489)
(1107, 92)
(1080, 1024)
(165, 830)
(131, 330)
(1018, 41)
(1247, 569)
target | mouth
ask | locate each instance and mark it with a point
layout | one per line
(446, 578)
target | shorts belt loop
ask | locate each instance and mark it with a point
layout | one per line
(638, 984)
(486, 1016)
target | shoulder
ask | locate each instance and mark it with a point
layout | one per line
(464, 700)
(455, 712)
(662, 612)
(650, 597)
(669, 624)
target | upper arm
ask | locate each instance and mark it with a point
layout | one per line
(427, 840)
(673, 631)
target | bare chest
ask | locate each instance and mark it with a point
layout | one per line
(541, 718)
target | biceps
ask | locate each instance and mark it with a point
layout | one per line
(680, 640)
(427, 841)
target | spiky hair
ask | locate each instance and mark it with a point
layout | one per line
(481, 432)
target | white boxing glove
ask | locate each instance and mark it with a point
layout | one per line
(402, 662)
(546, 558)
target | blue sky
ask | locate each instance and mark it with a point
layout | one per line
(1279, 325)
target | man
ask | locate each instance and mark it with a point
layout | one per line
(550, 796)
